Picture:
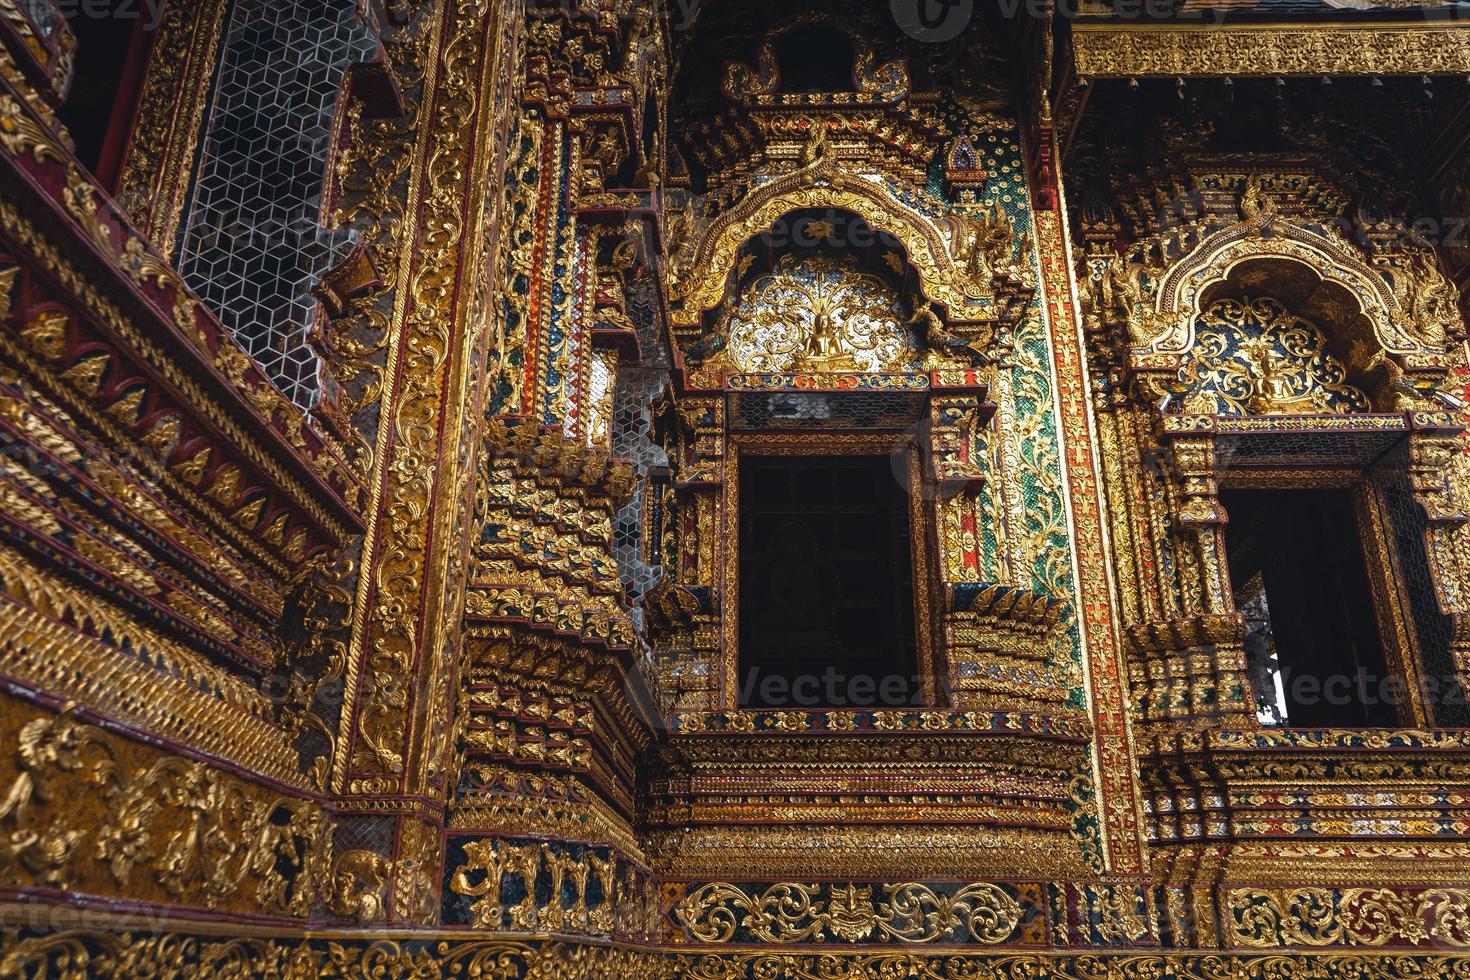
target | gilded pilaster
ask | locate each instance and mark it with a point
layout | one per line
(155, 175)
(403, 658)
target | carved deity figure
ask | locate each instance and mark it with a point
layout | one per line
(983, 245)
(1272, 392)
(1430, 299)
(824, 348)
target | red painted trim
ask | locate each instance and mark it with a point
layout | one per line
(125, 107)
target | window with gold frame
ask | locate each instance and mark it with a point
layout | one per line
(903, 455)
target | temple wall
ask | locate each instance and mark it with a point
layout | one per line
(371, 604)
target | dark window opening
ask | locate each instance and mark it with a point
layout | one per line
(112, 46)
(1299, 574)
(815, 58)
(826, 584)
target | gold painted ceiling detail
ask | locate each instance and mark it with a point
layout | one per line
(1112, 50)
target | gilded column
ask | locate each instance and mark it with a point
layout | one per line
(403, 656)
(1115, 764)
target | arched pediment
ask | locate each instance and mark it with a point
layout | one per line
(705, 284)
(1198, 278)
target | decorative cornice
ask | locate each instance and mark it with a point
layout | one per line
(1112, 50)
(185, 363)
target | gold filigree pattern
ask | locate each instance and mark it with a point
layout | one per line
(908, 913)
(118, 955)
(818, 313)
(1253, 357)
(1105, 50)
(1270, 918)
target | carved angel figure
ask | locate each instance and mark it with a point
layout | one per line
(983, 245)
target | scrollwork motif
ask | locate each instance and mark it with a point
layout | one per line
(720, 912)
(201, 835)
(1319, 916)
(1253, 357)
(819, 313)
(113, 956)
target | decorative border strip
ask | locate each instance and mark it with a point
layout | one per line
(390, 956)
(918, 722)
(1118, 799)
(977, 913)
(1110, 50)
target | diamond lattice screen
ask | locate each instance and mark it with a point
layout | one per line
(253, 244)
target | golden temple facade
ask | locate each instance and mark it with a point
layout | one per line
(799, 489)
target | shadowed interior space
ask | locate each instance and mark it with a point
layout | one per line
(826, 583)
(1299, 575)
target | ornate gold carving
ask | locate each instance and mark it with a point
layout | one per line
(710, 264)
(621, 905)
(908, 913)
(417, 871)
(1118, 912)
(1190, 280)
(86, 375)
(1263, 918)
(164, 693)
(83, 802)
(46, 748)
(1104, 50)
(983, 245)
(856, 852)
(1431, 301)
(542, 692)
(411, 593)
(21, 135)
(818, 314)
(359, 882)
(124, 954)
(1253, 357)
(155, 175)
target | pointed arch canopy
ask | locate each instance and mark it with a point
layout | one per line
(704, 287)
(1194, 280)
